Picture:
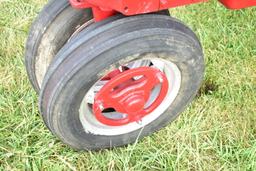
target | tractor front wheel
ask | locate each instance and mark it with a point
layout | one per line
(122, 81)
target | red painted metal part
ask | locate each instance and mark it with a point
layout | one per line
(238, 4)
(165, 4)
(129, 96)
(103, 9)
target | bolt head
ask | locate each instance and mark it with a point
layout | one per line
(139, 122)
(101, 106)
(160, 77)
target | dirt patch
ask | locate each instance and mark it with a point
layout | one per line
(208, 87)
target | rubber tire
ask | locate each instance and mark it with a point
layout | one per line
(49, 32)
(82, 63)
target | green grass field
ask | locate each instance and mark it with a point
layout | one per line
(217, 132)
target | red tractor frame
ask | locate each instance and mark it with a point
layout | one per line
(105, 8)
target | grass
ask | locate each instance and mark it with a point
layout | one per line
(217, 132)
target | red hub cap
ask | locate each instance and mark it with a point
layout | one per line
(128, 93)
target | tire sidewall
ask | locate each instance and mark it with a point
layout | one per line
(42, 37)
(65, 113)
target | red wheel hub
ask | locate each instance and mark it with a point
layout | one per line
(128, 93)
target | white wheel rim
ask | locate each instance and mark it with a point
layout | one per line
(92, 125)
